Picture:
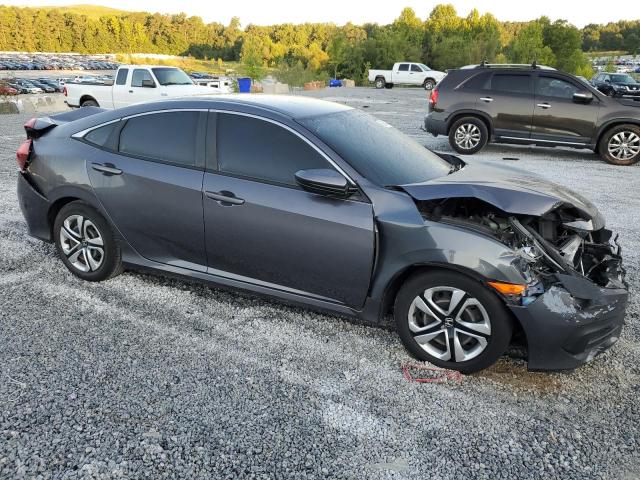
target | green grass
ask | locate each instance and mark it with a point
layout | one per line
(610, 53)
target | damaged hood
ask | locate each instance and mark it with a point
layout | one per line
(511, 190)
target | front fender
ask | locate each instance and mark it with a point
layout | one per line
(407, 240)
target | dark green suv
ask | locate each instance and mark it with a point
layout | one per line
(530, 104)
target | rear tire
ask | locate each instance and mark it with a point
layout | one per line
(620, 145)
(380, 82)
(89, 103)
(468, 135)
(86, 243)
(470, 328)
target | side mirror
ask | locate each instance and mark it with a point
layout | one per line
(148, 83)
(324, 181)
(583, 97)
(607, 80)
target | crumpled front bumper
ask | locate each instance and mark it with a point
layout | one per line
(568, 325)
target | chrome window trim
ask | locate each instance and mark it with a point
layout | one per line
(84, 132)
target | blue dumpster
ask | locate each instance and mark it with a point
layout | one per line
(244, 85)
(334, 82)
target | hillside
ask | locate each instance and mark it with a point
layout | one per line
(91, 11)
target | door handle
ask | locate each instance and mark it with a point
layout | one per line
(130, 91)
(486, 99)
(224, 198)
(106, 169)
(544, 105)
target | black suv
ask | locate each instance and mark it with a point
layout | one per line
(530, 104)
(616, 84)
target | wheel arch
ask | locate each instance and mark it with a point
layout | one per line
(86, 97)
(65, 196)
(470, 113)
(612, 124)
(395, 284)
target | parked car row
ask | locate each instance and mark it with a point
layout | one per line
(16, 86)
(55, 62)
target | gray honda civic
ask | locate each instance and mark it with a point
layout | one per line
(322, 205)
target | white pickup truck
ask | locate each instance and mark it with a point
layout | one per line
(406, 73)
(134, 84)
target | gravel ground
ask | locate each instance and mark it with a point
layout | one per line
(143, 376)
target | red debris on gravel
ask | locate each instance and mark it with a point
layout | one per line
(414, 372)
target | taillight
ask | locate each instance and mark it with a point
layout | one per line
(28, 127)
(22, 155)
(433, 99)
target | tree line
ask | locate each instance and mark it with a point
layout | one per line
(443, 40)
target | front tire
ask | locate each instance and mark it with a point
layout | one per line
(620, 145)
(86, 243)
(452, 321)
(429, 84)
(468, 135)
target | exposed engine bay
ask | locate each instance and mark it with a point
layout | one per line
(559, 242)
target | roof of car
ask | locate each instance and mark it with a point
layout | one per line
(291, 105)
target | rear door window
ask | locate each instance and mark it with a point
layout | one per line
(257, 149)
(511, 83)
(169, 137)
(121, 79)
(404, 67)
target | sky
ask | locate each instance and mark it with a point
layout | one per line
(268, 12)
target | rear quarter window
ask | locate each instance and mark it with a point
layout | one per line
(102, 136)
(477, 82)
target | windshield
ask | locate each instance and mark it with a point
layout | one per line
(424, 67)
(375, 149)
(171, 76)
(622, 79)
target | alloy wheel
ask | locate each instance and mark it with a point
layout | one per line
(428, 85)
(449, 324)
(82, 243)
(624, 145)
(468, 136)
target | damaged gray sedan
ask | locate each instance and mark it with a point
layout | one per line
(321, 205)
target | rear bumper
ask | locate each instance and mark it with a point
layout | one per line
(435, 126)
(564, 332)
(35, 209)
